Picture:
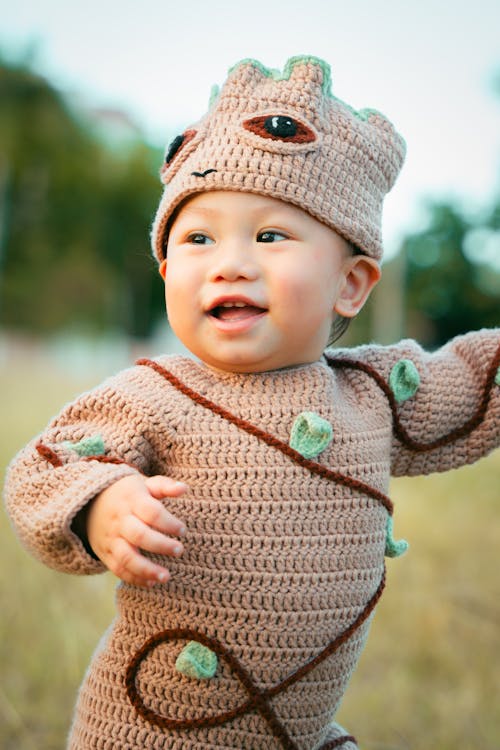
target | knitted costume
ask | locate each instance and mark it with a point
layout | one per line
(284, 557)
(285, 135)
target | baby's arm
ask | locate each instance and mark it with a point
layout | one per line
(445, 405)
(454, 417)
(58, 484)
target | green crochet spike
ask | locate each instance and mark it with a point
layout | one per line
(404, 380)
(392, 547)
(197, 661)
(90, 446)
(310, 434)
(214, 93)
(497, 377)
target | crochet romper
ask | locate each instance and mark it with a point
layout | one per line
(284, 555)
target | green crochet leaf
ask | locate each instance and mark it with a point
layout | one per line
(404, 380)
(497, 377)
(310, 434)
(90, 446)
(393, 548)
(197, 661)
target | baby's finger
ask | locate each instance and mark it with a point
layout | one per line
(154, 514)
(130, 566)
(141, 535)
(160, 486)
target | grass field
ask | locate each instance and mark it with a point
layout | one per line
(430, 675)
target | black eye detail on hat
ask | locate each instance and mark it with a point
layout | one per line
(178, 143)
(280, 128)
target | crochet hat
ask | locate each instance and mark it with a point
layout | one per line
(286, 136)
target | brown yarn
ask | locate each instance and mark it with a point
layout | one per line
(274, 442)
(248, 507)
(258, 699)
(48, 454)
(52, 457)
(399, 431)
(257, 125)
(338, 167)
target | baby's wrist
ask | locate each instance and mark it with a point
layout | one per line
(79, 528)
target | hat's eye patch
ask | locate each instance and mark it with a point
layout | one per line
(280, 128)
(177, 144)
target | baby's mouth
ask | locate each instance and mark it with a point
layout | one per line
(234, 311)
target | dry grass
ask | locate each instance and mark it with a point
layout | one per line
(429, 678)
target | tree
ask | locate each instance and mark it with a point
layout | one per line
(74, 218)
(446, 292)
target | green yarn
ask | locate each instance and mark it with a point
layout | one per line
(497, 377)
(404, 380)
(366, 113)
(290, 64)
(310, 434)
(326, 86)
(197, 661)
(91, 446)
(214, 93)
(393, 548)
(304, 60)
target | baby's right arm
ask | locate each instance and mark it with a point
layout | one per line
(80, 496)
(128, 516)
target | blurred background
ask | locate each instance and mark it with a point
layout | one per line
(90, 95)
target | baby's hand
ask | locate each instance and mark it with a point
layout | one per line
(127, 516)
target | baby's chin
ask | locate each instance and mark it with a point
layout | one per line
(252, 366)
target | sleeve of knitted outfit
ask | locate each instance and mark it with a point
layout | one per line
(92, 443)
(445, 405)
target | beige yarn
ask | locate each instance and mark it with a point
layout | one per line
(278, 561)
(340, 175)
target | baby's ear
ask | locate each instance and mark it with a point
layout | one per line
(163, 269)
(361, 274)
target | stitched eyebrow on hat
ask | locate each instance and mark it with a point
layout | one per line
(203, 174)
(280, 128)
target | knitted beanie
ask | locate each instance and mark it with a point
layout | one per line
(286, 136)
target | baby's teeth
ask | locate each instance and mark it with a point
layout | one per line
(233, 304)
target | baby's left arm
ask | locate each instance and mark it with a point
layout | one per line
(454, 416)
(445, 405)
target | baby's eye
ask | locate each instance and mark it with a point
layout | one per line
(271, 236)
(198, 238)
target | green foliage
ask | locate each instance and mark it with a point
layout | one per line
(74, 218)
(75, 215)
(447, 293)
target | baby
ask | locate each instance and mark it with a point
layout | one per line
(241, 495)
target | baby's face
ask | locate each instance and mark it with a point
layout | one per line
(253, 283)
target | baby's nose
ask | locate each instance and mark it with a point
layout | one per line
(234, 262)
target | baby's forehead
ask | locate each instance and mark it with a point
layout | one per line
(226, 202)
(227, 199)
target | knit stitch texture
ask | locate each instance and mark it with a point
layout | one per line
(288, 137)
(282, 563)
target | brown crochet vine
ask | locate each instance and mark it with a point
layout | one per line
(48, 454)
(258, 699)
(266, 437)
(53, 458)
(399, 431)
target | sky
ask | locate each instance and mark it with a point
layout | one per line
(429, 66)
